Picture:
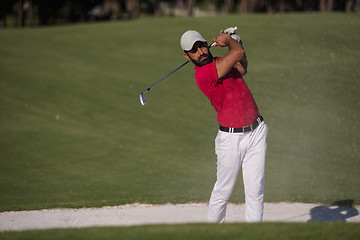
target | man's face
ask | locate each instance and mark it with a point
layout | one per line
(199, 54)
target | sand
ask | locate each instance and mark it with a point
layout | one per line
(141, 214)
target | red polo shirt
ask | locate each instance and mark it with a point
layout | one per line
(229, 95)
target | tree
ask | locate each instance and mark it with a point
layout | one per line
(132, 8)
(180, 4)
(29, 7)
(190, 4)
(23, 11)
(357, 6)
(247, 6)
(48, 11)
(186, 7)
(228, 6)
(281, 5)
(5, 9)
(19, 13)
(326, 5)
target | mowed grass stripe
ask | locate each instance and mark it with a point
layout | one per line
(263, 231)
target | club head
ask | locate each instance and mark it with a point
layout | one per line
(142, 99)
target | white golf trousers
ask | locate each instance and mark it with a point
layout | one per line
(235, 150)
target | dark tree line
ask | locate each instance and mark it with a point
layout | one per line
(46, 12)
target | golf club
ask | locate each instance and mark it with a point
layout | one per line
(142, 97)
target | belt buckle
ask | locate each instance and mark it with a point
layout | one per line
(245, 129)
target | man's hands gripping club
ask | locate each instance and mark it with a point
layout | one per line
(233, 57)
(232, 33)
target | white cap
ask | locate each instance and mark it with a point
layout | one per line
(189, 38)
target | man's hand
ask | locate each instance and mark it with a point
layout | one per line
(222, 40)
(232, 32)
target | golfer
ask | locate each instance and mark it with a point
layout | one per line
(241, 139)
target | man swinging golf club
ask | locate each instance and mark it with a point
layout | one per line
(242, 137)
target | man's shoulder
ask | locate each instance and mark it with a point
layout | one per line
(207, 66)
(206, 75)
(203, 69)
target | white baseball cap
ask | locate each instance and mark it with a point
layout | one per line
(189, 38)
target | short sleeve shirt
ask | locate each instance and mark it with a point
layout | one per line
(230, 96)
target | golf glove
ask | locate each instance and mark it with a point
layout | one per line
(233, 34)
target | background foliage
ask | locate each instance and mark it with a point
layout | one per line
(42, 12)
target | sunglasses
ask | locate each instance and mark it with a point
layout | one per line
(198, 45)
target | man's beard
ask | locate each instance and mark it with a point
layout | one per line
(202, 59)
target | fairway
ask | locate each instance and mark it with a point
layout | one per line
(73, 132)
(265, 231)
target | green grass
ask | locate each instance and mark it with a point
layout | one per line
(73, 132)
(266, 231)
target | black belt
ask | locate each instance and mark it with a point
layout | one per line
(243, 129)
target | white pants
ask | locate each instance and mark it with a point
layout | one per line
(234, 150)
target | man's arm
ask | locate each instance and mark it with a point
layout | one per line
(235, 54)
(241, 66)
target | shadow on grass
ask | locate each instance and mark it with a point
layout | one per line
(338, 211)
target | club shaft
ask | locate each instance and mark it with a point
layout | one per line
(172, 72)
(166, 76)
